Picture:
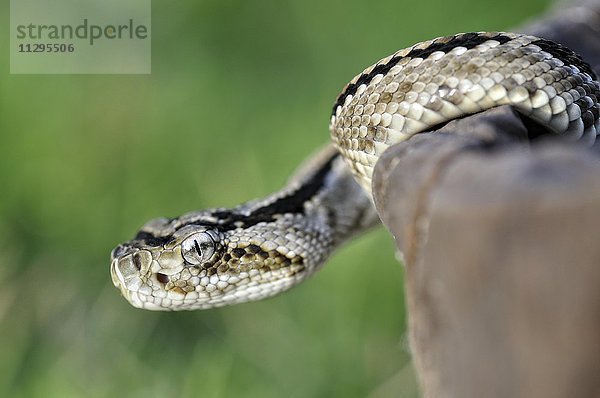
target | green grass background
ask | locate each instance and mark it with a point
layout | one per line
(240, 93)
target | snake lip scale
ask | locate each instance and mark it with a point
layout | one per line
(215, 257)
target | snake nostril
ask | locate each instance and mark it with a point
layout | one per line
(162, 278)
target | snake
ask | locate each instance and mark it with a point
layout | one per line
(223, 256)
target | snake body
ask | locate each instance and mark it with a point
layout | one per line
(217, 257)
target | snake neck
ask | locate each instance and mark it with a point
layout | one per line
(324, 193)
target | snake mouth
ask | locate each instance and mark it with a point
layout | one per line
(122, 282)
(124, 277)
(119, 281)
(117, 277)
(113, 274)
(116, 274)
(125, 271)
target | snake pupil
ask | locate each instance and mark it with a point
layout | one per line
(197, 247)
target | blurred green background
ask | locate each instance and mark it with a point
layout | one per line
(240, 93)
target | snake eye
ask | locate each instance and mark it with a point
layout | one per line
(197, 248)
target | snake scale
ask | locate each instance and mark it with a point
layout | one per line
(210, 258)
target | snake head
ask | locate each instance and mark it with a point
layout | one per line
(163, 265)
(193, 262)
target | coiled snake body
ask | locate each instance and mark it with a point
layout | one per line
(216, 257)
